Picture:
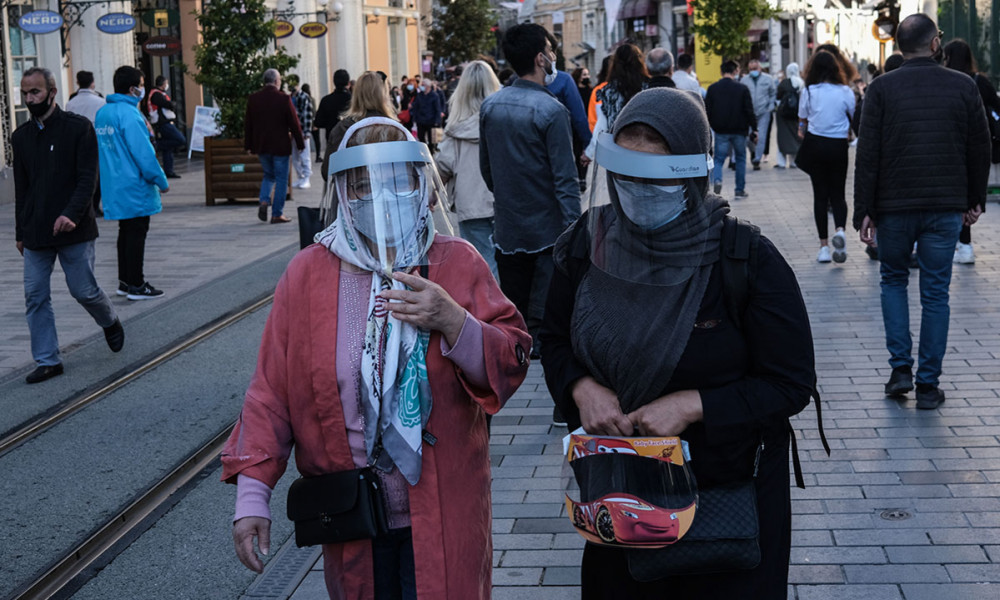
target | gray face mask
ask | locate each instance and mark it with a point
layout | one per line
(650, 206)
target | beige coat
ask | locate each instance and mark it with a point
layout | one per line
(458, 163)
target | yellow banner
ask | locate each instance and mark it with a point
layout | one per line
(706, 64)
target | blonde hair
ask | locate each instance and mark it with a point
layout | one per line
(478, 81)
(370, 94)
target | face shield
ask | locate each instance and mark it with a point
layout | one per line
(387, 193)
(647, 214)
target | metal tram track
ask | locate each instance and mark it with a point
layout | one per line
(104, 539)
(37, 426)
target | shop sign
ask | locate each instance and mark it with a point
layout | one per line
(313, 30)
(161, 18)
(40, 21)
(116, 23)
(162, 45)
(237, 168)
(283, 29)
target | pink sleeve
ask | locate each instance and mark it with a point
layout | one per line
(253, 498)
(467, 353)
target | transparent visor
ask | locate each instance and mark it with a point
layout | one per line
(640, 211)
(632, 492)
(387, 195)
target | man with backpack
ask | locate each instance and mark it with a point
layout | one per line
(163, 116)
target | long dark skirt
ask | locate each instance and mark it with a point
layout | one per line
(788, 139)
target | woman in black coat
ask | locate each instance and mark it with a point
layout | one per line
(639, 339)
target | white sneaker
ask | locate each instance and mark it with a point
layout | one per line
(824, 254)
(839, 247)
(964, 254)
(304, 184)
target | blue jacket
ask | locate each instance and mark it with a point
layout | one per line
(565, 90)
(131, 177)
(426, 109)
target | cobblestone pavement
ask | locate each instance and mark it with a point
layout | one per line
(189, 244)
(941, 468)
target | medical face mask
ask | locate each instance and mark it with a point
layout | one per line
(650, 206)
(755, 74)
(550, 72)
(409, 87)
(142, 92)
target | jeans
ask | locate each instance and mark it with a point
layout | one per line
(936, 234)
(524, 279)
(170, 139)
(479, 233)
(724, 142)
(393, 565)
(132, 250)
(763, 125)
(302, 159)
(276, 178)
(77, 261)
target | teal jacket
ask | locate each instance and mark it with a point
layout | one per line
(131, 177)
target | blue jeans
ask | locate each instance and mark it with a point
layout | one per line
(479, 233)
(935, 234)
(170, 139)
(724, 142)
(393, 565)
(763, 122)
(276, 178)
(77, 261)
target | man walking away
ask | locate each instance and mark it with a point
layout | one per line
(333, 105)
(55, 170)
(684, 76)
(270, 118)
(163, 116)
(131, 179)
(660, 64)
(730, 113)
(526, 158)
(763, 92)
(86, 102)
(426, 110)
(302, 159)
(904, 194)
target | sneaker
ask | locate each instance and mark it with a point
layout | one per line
(144, 292)
(262, 212)
(779, 166)
(114, 334)
(756, 166)
(304, 185)
(871, 252)
(929, 396)
(900, 382)
(122, 289)
(839, 242)
(717, 187)
(557, 417)
(824, 254)
(42, 373)
(741, 194)
(964, 254)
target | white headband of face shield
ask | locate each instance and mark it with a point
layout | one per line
(646, 165)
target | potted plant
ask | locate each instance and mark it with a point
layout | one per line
(235, 50)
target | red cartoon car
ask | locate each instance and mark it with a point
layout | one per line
(602, 446)
(627, 520)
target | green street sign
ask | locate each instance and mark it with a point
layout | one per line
(237, 168)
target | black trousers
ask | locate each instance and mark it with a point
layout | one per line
(828, 181)
(319, 153)
(424, 134)
(524, 279)
(132, 250)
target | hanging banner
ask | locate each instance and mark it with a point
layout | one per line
(40, 22)
(313, 30)
(162, 45)
(283, 29)
(116, 23)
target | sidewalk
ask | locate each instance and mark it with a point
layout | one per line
(908, 505)
(189, 244)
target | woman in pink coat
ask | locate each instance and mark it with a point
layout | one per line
(381, 295)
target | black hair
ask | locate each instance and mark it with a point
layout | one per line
(684, 61)
(160, 79)
(127, 78)
(602, 75)
(824, 68)
(505, 75)
(729, 66)
(958, 56)
(628, 70)
(915, 33)
(306, 89)
(577, 75)
(382, 75)
(892, 63)
(84, 79)
(341, 78)
(522, 43)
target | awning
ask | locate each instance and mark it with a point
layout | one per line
(637, 9)
(757, 35)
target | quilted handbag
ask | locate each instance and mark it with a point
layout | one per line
(723, 537)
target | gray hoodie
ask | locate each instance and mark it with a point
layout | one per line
(458, 163)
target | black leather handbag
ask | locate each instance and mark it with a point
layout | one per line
(336, 507)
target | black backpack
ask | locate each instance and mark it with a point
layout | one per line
(788, 108)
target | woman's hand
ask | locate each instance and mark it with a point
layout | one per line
(668, 415)
(244, 532)
(600, 413)
(427, 305)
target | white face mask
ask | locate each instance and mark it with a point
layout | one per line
(141, 92)
(650, 206)
(550, 72)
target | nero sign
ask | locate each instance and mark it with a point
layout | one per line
(40, 21)
(116, 23)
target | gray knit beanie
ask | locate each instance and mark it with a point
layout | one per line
(679, 116)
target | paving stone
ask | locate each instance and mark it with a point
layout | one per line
(936, 554)
(896, 573)
(848, 592)
(561, 576)
(940, 591)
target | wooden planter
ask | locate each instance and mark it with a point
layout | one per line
(232, 174)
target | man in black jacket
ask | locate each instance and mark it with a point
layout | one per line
(660, 64)
(730, 113)
(332, 106)
(55, 170)
(921, 170)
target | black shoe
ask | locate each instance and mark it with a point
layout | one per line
(900, 382)
(262, 212)
(929, 397)
(756, 166)
(42, 373)
(732, 165)
(871, 252)
(143, 292)
(172, 176)
(741, 194)
(914, 263)
(114, 334)
(717, 188)
(557, 417)
(122, 289)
